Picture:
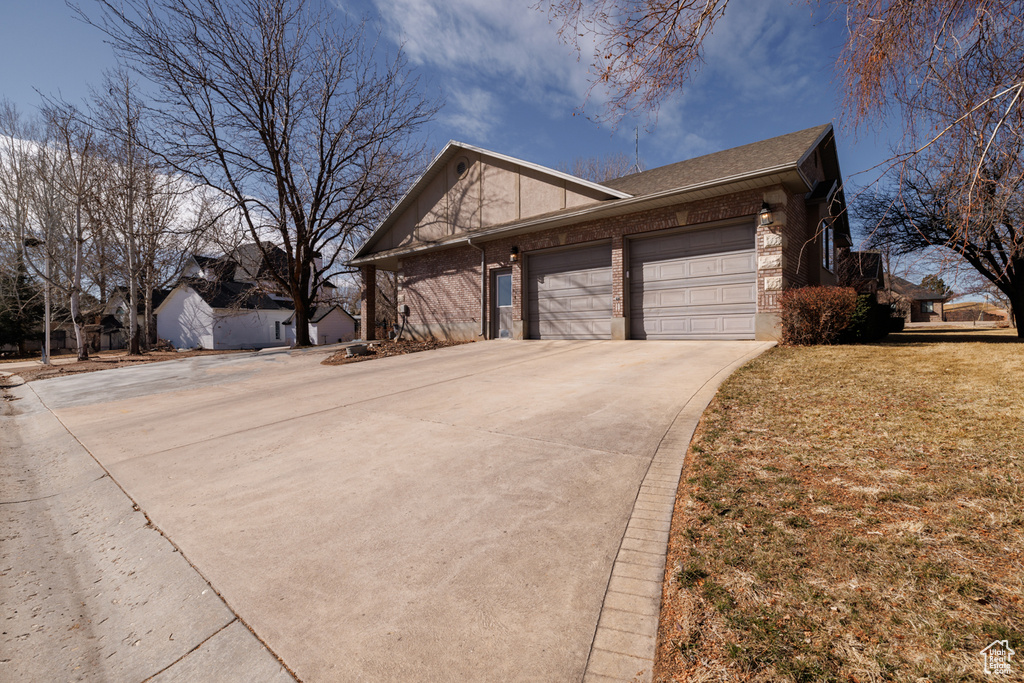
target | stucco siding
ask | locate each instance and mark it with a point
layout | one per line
(500, 184)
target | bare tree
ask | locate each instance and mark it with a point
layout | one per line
(21, 304)
(600, 169)
(897, 52)
(74, 169)
(117, 111)
(17, 175)
(289, 114)
(922, 209)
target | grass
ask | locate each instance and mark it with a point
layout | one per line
(852, 514)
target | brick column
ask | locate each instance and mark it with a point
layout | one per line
(620, 288)
(368, 299)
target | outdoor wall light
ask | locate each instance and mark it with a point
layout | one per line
(765, 215)
(514, 255)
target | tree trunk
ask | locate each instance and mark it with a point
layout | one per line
(150, 338)
(301, 321)
(76, 288)
(147, 309)
(1017, 310)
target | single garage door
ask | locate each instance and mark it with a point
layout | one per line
(700, 284)
(570, 294)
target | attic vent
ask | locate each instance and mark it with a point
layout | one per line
(461, 167)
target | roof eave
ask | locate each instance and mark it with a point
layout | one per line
(611, 208)
(428, 173)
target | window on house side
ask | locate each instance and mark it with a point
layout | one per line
(277, 329)
(927, 307)
(826, 247)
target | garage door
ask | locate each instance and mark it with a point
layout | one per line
(694, 285)
(570, 294)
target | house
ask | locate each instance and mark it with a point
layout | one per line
(222, 314)
(489, 246)
(111, 329)
(861, 270)
(328, 324)
(920, 304)
(233, 302)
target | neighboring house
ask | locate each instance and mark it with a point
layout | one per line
(112, 329)
(920, 304)
(489, 246)
(328, 324)
(861, 270)
(222, 315)
(974, 311)
(233, 302)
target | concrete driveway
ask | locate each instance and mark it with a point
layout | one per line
(444, 516)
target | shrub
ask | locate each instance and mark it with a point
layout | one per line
(870, 320)
(816, 315)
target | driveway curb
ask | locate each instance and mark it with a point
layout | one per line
(626, 638)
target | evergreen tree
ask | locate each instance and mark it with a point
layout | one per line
(21, 306)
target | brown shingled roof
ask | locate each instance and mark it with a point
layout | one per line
(757, 156)
(914, 292)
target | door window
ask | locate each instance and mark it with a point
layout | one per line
(504, 283)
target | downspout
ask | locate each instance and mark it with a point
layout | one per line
(483, 287)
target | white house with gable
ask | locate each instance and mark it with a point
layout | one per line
(230, 302)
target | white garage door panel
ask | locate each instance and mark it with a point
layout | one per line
(570, 294)
(697, 285)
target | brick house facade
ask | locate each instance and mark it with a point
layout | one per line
(464, 222)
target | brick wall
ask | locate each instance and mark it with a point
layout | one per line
(444, 286)
(441, 286)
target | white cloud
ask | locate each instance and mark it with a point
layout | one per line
(767, 49)
(473, 111)
(507, 46)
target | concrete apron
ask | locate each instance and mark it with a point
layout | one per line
(90, 590)
(444, 516)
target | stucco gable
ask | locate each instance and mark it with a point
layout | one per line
(467, 189)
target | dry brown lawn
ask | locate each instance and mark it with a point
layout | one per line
(105, 360)
(853, 513)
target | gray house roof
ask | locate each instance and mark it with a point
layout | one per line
(909, 290)
(778, 160)
(244, 295)
(321, 312)
(785, 150)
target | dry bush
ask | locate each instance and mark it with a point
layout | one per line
(816, 315)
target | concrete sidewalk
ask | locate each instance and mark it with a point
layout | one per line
(90, 591)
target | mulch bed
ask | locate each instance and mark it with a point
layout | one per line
(382, 349)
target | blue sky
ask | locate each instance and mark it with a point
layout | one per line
(510, 86)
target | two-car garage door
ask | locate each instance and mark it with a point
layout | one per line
(697, 284)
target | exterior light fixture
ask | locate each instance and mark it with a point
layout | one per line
(514, 255)
(765, 214)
